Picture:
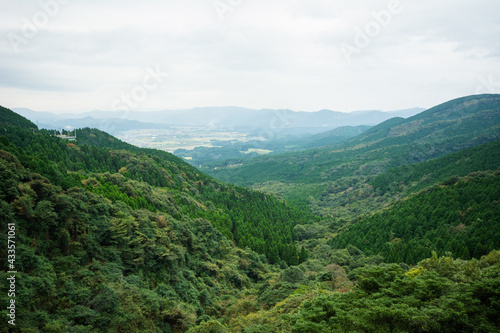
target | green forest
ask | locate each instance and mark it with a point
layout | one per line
(460, 216)
(139, 178)
(395, 229)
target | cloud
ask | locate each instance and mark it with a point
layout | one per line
(279, 54)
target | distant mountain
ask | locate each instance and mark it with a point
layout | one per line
(335, 180)
(446, 128)
(69, 121)
(260, 121)
(331, 137)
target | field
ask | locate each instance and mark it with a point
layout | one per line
(173, 138)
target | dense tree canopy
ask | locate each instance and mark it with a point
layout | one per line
(114, 238)
(460, 216)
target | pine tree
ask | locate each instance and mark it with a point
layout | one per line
(303, 254)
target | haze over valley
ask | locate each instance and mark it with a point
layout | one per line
(251, 131)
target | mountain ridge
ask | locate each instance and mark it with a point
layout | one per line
(392, 134)
(313, 176)
(119, 238)
(225, 117)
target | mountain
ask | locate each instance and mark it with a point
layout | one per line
(8, 118)
(90, 260)
(113, 235)
(69, 165)
(330, 137)
(112, 126)
(455, 125)
(261, 122)
(69, 121)
(36, 115)
(314, 175)
(411, 178)
(460, 215)
(105, 236)
(461, 117)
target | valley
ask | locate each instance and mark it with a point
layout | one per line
(257, 166)
(336, 180)
(393, 226)
(186, 138)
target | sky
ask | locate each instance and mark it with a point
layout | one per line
(303, 55)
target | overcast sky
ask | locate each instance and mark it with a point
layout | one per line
(304, 55)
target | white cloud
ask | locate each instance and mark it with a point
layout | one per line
(279, 54)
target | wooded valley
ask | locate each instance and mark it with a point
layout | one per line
(393, 228)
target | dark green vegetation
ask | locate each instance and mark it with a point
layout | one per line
(252, 219)
(438, 295)
(9, 119)
(413, 177)
(461, 216)
(87, 264)
(115, 238)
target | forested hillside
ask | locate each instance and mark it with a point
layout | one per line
(114, 238)
(311, 177)
(99, 163)
(413, 177)
(9, 118)
(352, 196)
(439, 295)
(449, 127)
(87, 264)
(460, 216)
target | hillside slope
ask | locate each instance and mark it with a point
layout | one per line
(89, 264)
(449, 127)
(410, 178)
(10, 118)
(109, 164)
(307, 176)
(439, 295)
(461, 216)
(113, 237)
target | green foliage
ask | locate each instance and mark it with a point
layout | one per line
(414, 177)
(388, 299)
(211, 326)
(446, 128)
(118, 238)
(100, 265)
(438, 295)
(134, 176)
(461, 217)
(115, 238)
(292, 275)
(9, 118)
